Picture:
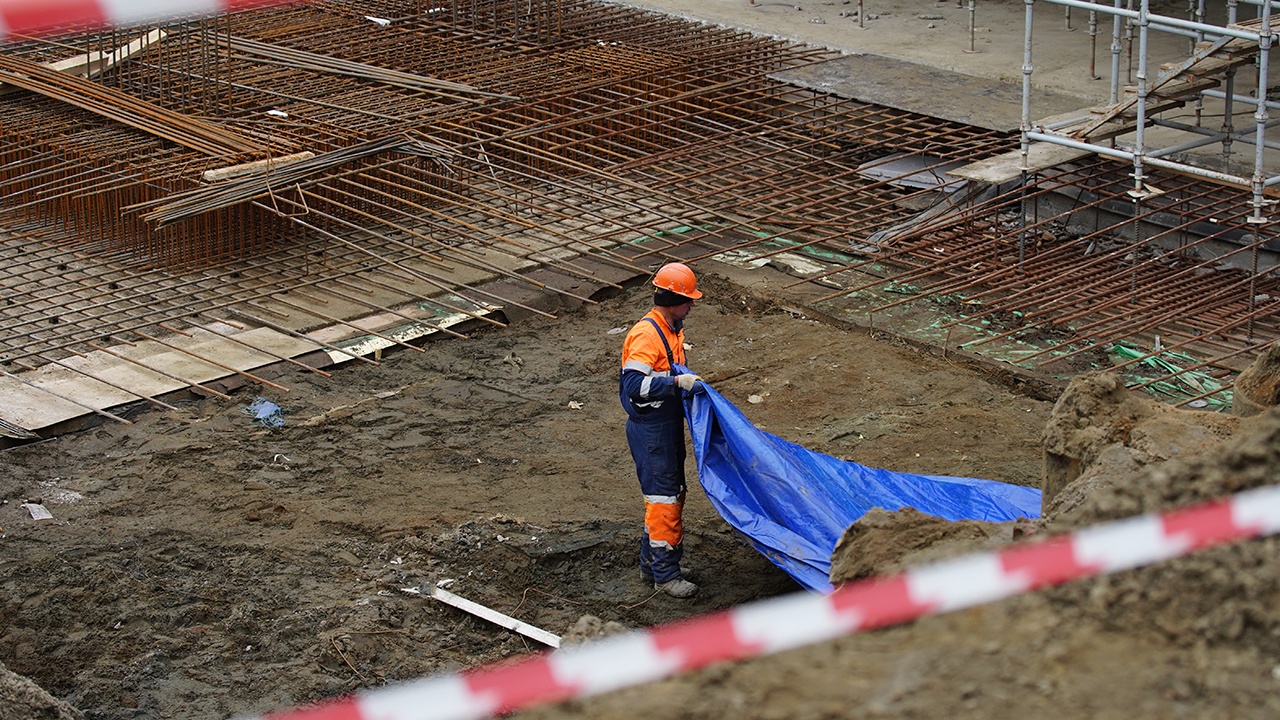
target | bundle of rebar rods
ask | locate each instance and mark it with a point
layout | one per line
(121, 107)
(222, 195)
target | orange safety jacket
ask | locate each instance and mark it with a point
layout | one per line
(645, 385)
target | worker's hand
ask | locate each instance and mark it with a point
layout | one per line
(686, 381)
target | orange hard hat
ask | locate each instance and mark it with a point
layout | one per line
(679, 279)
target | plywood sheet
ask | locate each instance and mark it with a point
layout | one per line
(43, 397)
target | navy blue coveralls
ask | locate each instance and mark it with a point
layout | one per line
(655, 434)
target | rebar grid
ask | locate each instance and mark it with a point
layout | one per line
(559, 130)
(1175, 272)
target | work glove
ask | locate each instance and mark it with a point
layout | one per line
(686, 382)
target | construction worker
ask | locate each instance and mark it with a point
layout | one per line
(652, 393)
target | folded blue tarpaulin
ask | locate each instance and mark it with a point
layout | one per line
(793, 504)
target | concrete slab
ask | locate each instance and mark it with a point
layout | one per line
(968, 99)
(39, 401)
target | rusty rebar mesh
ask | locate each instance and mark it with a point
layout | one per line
(1178, 279)
(565, 129)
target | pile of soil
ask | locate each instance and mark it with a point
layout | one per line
(21, 698)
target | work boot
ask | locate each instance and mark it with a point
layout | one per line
(647, 577)
(678, 588)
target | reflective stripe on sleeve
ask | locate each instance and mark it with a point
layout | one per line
(646, 385)
(637, 365)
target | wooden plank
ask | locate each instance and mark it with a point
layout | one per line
(1249, 25)
(255, 167)
(1006, 167)
(393, 325)
(1181, 90)
(1120, 107)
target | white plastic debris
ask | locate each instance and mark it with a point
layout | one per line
(496, 617)
(575, 405)
(38, 511)
(380, 21)
(278, 113)
(616, 331)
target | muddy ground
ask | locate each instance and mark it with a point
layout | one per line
(201, 566)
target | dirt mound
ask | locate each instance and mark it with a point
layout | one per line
(1258, 387)
(884, 541)
(1099, 432)
(1222, 595)
(21, 698)
(1132, 456)
(590, 627)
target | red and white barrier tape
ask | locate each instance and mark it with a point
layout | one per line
(788, 622)
(36, 17)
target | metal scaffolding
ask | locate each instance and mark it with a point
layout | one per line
(1218, 51)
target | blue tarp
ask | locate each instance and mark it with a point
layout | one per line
(793, 504)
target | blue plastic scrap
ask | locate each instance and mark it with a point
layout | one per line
(793, 504)
(265, 413)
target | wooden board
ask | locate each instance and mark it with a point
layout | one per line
(1006, 167)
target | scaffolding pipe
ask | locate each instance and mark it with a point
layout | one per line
(1273, 104)
(1260, 117)
(1025, 142)
(1164, 23)
(1157, 162)
(1211, 137)
(1144, 30)
(1116, 28)
(1197, 9)
(1093, 44)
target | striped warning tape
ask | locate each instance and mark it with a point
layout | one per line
(788, 622)
(37, 17)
